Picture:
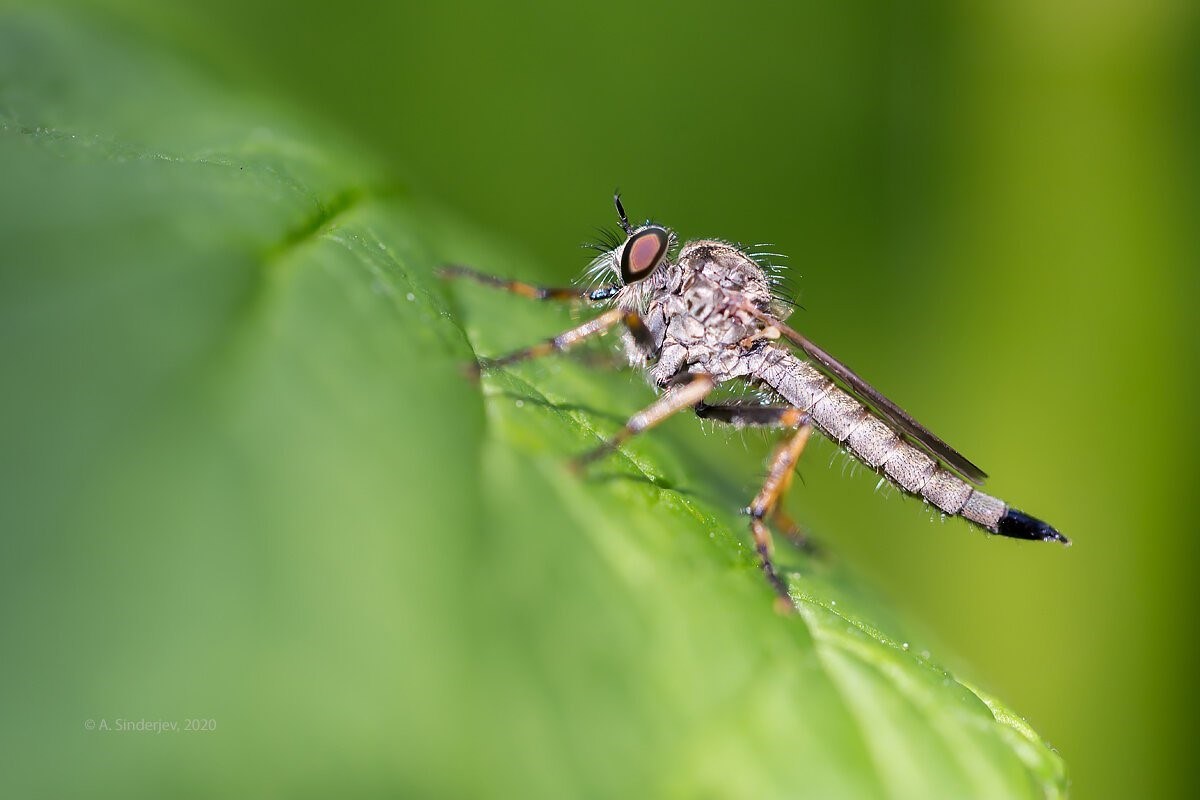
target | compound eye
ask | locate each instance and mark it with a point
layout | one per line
(643, 252)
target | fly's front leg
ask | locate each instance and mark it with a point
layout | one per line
(529, 290)
(779, 477)
(637, 328)
(690, 390)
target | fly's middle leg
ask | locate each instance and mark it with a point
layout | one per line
(690, 390)
(569, 338)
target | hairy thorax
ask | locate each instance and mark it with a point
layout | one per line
(696, 310)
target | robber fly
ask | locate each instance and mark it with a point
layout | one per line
(707, 314)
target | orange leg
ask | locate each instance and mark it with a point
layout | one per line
(692, 389)
(752, 414)
(529, 290)
(565, 340)
(779, 477)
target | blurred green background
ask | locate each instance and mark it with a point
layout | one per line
(990, 211)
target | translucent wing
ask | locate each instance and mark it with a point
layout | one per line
(914, 431)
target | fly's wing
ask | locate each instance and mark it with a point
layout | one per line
(889, 411)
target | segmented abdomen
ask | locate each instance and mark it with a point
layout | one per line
(846, 421)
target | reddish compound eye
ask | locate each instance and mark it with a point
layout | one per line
(643, 252)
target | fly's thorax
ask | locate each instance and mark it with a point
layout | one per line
(704, 294)
(697, 309)
(727, 267)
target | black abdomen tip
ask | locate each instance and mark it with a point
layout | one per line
(1020, 525)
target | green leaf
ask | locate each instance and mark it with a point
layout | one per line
(246, 482)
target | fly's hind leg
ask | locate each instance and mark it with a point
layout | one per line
(779, 477)
(766, 504)
(752, 414)
(793, 531)
(741, 415)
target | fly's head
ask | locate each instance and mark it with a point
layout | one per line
(635, 261)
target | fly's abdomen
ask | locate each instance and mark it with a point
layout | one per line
(873, 441)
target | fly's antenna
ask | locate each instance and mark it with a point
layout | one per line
(621, 213)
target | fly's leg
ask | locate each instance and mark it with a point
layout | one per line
(779, 477)
(593, 327)
(686, 393)
(744, 414)
(793, 531)
(637, 328)
(529, 290)
(565, 340)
